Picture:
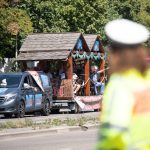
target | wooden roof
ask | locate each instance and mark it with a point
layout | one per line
(50, 42)
(44, 55)
(90, 40)
(49, 46)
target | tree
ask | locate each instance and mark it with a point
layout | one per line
(8, 18)
(3, 3)
(87, 16)
(136, 10)
(44, 15)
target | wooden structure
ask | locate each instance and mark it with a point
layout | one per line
(95, 45)
(57, 47)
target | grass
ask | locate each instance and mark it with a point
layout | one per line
(48, 123)
(17, 124)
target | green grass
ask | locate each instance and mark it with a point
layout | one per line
(48, 123)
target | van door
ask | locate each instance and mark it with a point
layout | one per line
(38, 94)
(46, 85)
(28, 94)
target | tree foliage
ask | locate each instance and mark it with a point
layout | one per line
(10, 18)
(87, 16)
(136, 10)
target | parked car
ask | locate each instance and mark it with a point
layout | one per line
(20, 93)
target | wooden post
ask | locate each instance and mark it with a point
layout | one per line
(69, 68)
(102, 66)
(23, 65)
(86, 77)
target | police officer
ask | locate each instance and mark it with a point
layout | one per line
(126, 105)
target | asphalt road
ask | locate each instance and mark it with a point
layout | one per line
(63, 115)
(74, 140)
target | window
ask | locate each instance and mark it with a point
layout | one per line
(45, 80)
(26, 80)
(96, 46)
(10, 81)
(33, 83)
(79, 45)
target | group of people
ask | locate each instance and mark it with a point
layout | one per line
(43, 66)
(96, 82)
(95, 79)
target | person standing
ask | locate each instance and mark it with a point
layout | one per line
(125, 118)
(95, 77)
(62, 72)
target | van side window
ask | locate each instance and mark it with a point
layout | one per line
(26, 80)
(33, 83)
(45, 80)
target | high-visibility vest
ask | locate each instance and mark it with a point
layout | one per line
(125, 116)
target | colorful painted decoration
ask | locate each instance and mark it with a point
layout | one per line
(88, 55)
(92, 55)
(82, 54)
(38, 99)
(95, 55)
(74, 55)
(29, 100)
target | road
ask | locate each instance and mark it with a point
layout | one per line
(73, 140)
(54, 116)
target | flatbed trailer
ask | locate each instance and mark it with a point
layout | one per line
(73, 51)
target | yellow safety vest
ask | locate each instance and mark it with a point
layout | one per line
(125, 116)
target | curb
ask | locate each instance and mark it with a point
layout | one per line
(48, 131)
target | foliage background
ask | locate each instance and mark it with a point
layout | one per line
(87, 16)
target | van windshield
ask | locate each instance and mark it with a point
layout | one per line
(10, 81)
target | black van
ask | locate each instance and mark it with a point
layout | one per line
(20, 93)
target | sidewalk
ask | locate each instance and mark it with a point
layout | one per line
(33, 131)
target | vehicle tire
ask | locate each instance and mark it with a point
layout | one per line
(8, 115)
(96, 110)
(75, 110)
(20, 110)
(45, 108)
(55, 111)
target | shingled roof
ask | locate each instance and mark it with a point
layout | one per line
(43, 55)
(90, 40)
(48, 46)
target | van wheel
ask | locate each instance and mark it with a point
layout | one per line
(96, 110)
(8, 115)
(46, 108)
(20, 110)
(76, 109)
(55, 111)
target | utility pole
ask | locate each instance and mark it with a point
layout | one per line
(16, 52)
(14, 28)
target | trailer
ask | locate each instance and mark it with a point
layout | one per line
(73, 53)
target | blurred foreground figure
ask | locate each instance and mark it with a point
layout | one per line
(126, 105)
